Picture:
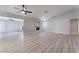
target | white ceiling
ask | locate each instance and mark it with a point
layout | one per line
(38, 10)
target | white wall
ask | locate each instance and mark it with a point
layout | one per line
(61, 23)
(30, 25)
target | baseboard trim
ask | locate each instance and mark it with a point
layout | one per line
(57, 32)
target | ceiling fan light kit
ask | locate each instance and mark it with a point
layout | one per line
(23, 10)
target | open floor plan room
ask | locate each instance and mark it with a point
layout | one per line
(39, 29)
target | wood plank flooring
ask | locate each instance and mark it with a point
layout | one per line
(39, 43)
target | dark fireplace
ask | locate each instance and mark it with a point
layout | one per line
(37, 28)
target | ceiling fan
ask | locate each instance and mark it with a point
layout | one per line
(23, 10)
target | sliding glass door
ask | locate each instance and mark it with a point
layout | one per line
(10, 26)
(2, 26)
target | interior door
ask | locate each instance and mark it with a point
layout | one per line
(74, 26)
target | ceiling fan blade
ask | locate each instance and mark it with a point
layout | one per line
(28, 11)
(17, 8)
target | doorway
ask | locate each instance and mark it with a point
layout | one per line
(74, 26)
